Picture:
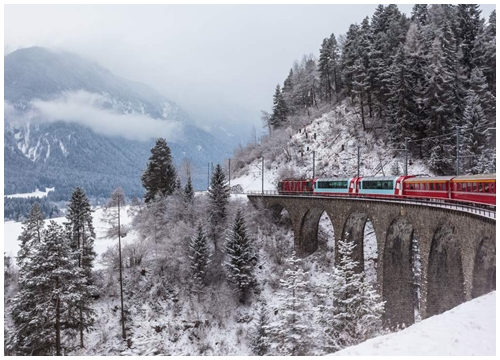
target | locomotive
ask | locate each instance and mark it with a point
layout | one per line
(472, 189)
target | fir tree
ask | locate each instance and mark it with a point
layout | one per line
(479, 85)
(259, 336)
(240, 262)
(402, 105)
(199, 258)
(218, 193)
(160, 175)
(81, 232)
(420, 14)
(31, 233)
(440, 110)
(188, 191)
(469, 27)
(293, 333)
(475, 135)
(355, 313)
(278, 117)
(41, 308)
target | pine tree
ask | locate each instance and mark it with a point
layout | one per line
(324, 70)
(259, 336)
(288, 97)
(420, 14)
(278, 117)
(31, 233)
(475, 135)
(240, 258)
(402, 108)
(218, 193)
(355, 314)
(188, 191)
(479, 85)
(199, 258)
(41, 308)
(112, 216)
(160, 175)
(349, 56)
(469, 28)
(81, 231)
(440, 109)
(293, 333)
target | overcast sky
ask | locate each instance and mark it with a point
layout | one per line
(220, 63)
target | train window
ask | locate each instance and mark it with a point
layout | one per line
(474, 186)
(480, 189)
(469, 187)
(464, 187)
(493, 187)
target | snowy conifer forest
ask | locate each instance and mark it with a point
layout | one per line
(206, 272)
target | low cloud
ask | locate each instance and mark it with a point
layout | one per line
(86, 109)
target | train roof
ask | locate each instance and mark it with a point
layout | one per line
(428, 179)
(335, 179)
(379, 178)
(480, 177)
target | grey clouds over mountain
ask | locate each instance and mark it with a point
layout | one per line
(69, 122)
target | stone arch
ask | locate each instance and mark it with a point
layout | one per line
(445, 277)
(484, 276)
(326, 233)
(397, 289)
(353, 231)
(277, 210)
(307, 243)
(370, 252)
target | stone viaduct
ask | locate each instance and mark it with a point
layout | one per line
(457, 249)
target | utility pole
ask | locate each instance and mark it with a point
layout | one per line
(208, 176)
(229, 172)
(358, 161)
(406, 156)
(262, 176)
(314, 163)
(458, 151)
(124, 335)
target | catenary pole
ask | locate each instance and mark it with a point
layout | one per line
(458, 151)
(406, 156)
(314, 163)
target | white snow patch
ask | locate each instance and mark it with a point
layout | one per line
(63, 148)
(468, 329)
(36, 193)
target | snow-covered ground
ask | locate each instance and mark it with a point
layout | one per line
(13, 229)
(36, 193)
(468, 329)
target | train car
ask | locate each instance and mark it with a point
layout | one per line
(479, 189)
(380, 186)
(427, 187)
(295, 186)
(334, 186)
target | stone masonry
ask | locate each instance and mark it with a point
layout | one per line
(457, 249)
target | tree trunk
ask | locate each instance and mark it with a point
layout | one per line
(58, 322)
(124, 335)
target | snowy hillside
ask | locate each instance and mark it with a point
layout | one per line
(469, 329)
(335, 140)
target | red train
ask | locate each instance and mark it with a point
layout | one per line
(475, 189)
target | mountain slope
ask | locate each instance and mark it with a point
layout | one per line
(46, 146)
